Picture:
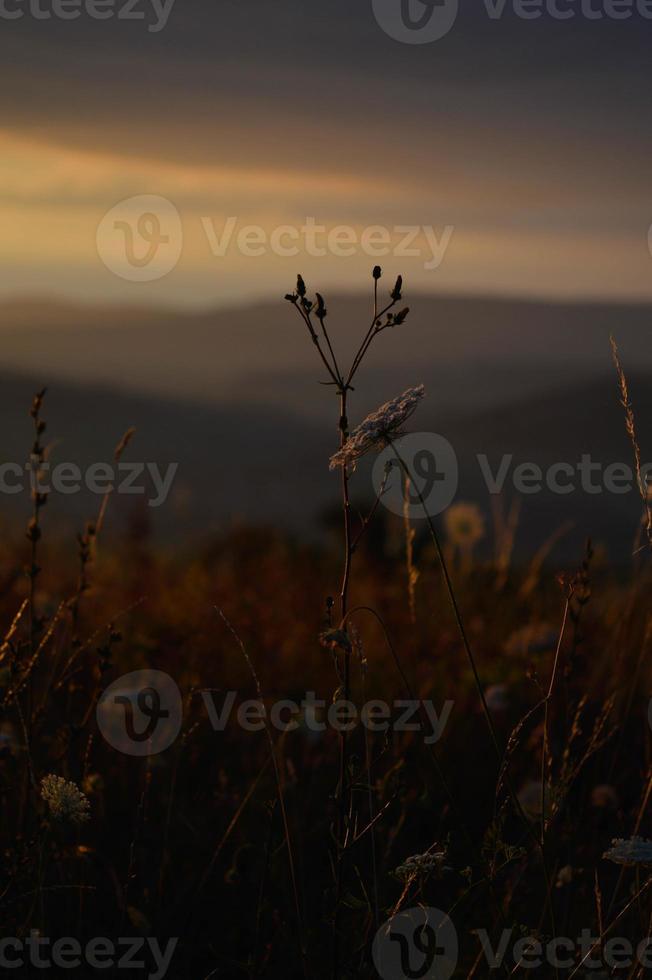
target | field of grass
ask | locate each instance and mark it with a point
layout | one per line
(274, 853)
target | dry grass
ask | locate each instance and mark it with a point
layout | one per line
(275, 854)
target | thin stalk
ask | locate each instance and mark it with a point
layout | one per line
(280, 793)
(343, 788)
(471, 659)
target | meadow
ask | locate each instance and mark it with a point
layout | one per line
(281, 853)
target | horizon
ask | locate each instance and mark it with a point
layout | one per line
(148, 305)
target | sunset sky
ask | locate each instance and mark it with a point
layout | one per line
(529, 139)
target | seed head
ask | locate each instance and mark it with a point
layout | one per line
(377, 427)
(66, 802)
(632, 852)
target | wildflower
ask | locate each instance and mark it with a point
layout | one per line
(378, 427)
(420, 865)
(464, 525)
(636, 850)
(65, 800)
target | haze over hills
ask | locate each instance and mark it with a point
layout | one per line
(243, 464)
(471, 353)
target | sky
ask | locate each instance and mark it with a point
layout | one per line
(194, 153)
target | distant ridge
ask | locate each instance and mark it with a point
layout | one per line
(240, 462)
(469, 351)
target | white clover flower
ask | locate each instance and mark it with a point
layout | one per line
(377, 427)
(636, 850)
(420, 865)
(65, 801)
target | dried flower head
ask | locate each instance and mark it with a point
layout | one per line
(422, 865)
(632, 852)
(378, 427)
(65, 800)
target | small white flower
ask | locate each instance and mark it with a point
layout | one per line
(636, 850)
(376, 428)
(65, 801)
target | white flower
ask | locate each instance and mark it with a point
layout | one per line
(630, 852)
(377, 427)
(65, 801)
